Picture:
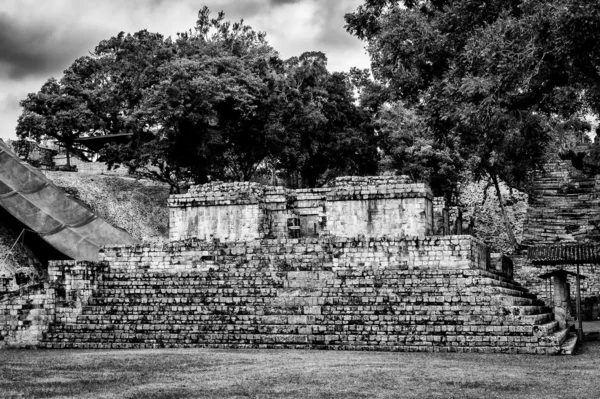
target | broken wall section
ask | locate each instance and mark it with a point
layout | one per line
(26, 314)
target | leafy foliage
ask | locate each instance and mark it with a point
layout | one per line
(215, 103)
(327, 134)
(411, 149)
(491, 80)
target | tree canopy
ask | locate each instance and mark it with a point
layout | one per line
(217, 102)
(490, 82)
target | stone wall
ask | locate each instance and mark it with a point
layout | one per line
(421, 294)
(25, 316)
(372, 206)
(458, 252)
(72, 284)
(98, 168)
(229, 211)
(441, 221)
(6, 284)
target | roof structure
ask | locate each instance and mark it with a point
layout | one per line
(57, 218)
(95, 143)
(566, 254)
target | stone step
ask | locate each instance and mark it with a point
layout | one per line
(416, 347)
(199, 337)
(529, 310)
(291, 295)
(562, 335)
(569, 344)
(510, 300)
(149, 315)
(537, 319)
(502, 284)
(542, 330)
(217, 278)
(507, 292)
(496, 276)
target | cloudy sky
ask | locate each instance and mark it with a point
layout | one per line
(41, 38)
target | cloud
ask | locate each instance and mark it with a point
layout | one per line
(282, 2)
(11, 101)
(37, 48)
(314, 25)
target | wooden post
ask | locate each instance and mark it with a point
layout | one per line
(579, 306)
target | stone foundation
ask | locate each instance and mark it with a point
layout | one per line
(433, 294)
(460, 252)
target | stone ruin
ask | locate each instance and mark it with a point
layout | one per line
(363, 264)
(350, 207)
(564, 213)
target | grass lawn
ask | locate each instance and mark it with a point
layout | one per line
(205, 373)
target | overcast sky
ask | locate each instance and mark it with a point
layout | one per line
(41, 38)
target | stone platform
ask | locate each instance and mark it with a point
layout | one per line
(352, 266)
(391, 294)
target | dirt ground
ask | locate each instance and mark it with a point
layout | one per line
(210, 373)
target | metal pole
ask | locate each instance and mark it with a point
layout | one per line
(579, 306)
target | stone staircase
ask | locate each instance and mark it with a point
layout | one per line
(394, 309)
(565, 206)
(526, 305)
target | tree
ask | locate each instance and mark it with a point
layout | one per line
(213, 111)
(56, 112)
(410, 149)
(490, 79)
(217, 102)
(327, 133)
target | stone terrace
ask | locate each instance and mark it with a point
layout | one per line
(431, 294)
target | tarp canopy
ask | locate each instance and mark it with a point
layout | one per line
(60, 220)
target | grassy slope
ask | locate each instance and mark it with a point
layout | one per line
(138, 206)
(198, 373)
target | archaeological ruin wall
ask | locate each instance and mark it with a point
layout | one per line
(350, 266)
(415, 294)
(564, 209)
(369, 206)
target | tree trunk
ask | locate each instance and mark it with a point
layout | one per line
(509, 230)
